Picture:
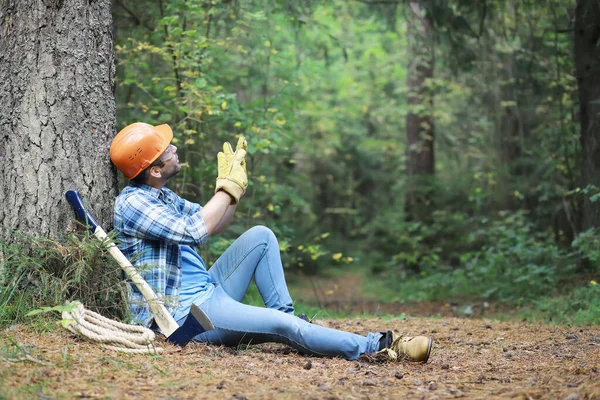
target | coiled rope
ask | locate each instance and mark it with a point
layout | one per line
(108, 333)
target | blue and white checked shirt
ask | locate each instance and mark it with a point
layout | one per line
(151, 224)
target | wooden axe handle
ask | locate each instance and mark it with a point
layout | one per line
(161, 315)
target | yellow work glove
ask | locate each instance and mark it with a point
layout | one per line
(229, 154)
(232, 175)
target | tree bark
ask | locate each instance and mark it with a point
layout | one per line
(587, 64)
(419, 120)
(57, 113)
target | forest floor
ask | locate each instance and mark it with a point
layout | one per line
(471, 358)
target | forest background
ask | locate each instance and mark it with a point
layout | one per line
(436, 148)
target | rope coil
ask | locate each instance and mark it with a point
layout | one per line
(108, 333)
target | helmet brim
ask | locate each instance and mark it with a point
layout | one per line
(167, 132)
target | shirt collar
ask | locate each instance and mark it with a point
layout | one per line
(154, 192)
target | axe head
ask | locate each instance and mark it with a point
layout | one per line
(196, 323)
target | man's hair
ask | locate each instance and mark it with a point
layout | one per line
(142, 177)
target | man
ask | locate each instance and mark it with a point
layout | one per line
(158, 231)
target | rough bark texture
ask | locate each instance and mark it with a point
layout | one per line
(587, 64)
(57, 113)
(419, 121)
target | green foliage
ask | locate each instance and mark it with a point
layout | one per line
(319, 90)
(579, 307)
(509, 242)
(38, 274)
(214, 73)
(588, 244)
(60, 309)
(490, 272)
(504, 260)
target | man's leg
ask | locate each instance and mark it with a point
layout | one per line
(237, 323)
(254, 254)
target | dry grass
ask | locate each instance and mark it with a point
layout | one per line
(471, 359)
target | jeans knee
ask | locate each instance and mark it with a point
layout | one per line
(262, 233)
(288, 326)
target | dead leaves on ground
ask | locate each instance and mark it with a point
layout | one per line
(470, 359)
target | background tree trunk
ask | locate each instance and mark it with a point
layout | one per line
(419, 120)
(57, 114)
(587, 64)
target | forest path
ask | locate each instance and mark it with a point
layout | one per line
(471, 358)
(346, 293)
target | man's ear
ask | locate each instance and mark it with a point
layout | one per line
(155, 172)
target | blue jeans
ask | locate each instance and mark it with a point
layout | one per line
(256, 254)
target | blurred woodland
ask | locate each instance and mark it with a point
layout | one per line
(439, 143)
(449, 149)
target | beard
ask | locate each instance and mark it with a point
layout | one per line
(171, 172)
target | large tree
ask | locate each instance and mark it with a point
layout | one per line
(419, 120)
(587, 64)
(57, 114)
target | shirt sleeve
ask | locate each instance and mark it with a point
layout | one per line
(150, 219)
(187, 207)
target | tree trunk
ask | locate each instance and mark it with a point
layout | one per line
(57, 114)
(587, 64)
(419, 121)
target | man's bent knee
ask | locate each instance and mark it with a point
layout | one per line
(262, 232)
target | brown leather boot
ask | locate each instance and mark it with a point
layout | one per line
(415, 348)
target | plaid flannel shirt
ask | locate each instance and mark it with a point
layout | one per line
(151, 224)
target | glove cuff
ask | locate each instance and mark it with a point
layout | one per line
(233, 188)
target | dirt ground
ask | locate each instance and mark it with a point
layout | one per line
(474, 358)
(471, 358)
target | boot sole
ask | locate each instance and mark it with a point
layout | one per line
(428, 350)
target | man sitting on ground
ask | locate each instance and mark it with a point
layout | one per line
(158, 231)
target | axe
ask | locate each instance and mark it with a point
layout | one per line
(196, 321)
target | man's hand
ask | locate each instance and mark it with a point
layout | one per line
(232, 175)
(229, 155)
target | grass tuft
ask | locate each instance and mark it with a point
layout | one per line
(38, 272)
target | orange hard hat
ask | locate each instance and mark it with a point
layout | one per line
(138, 145)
